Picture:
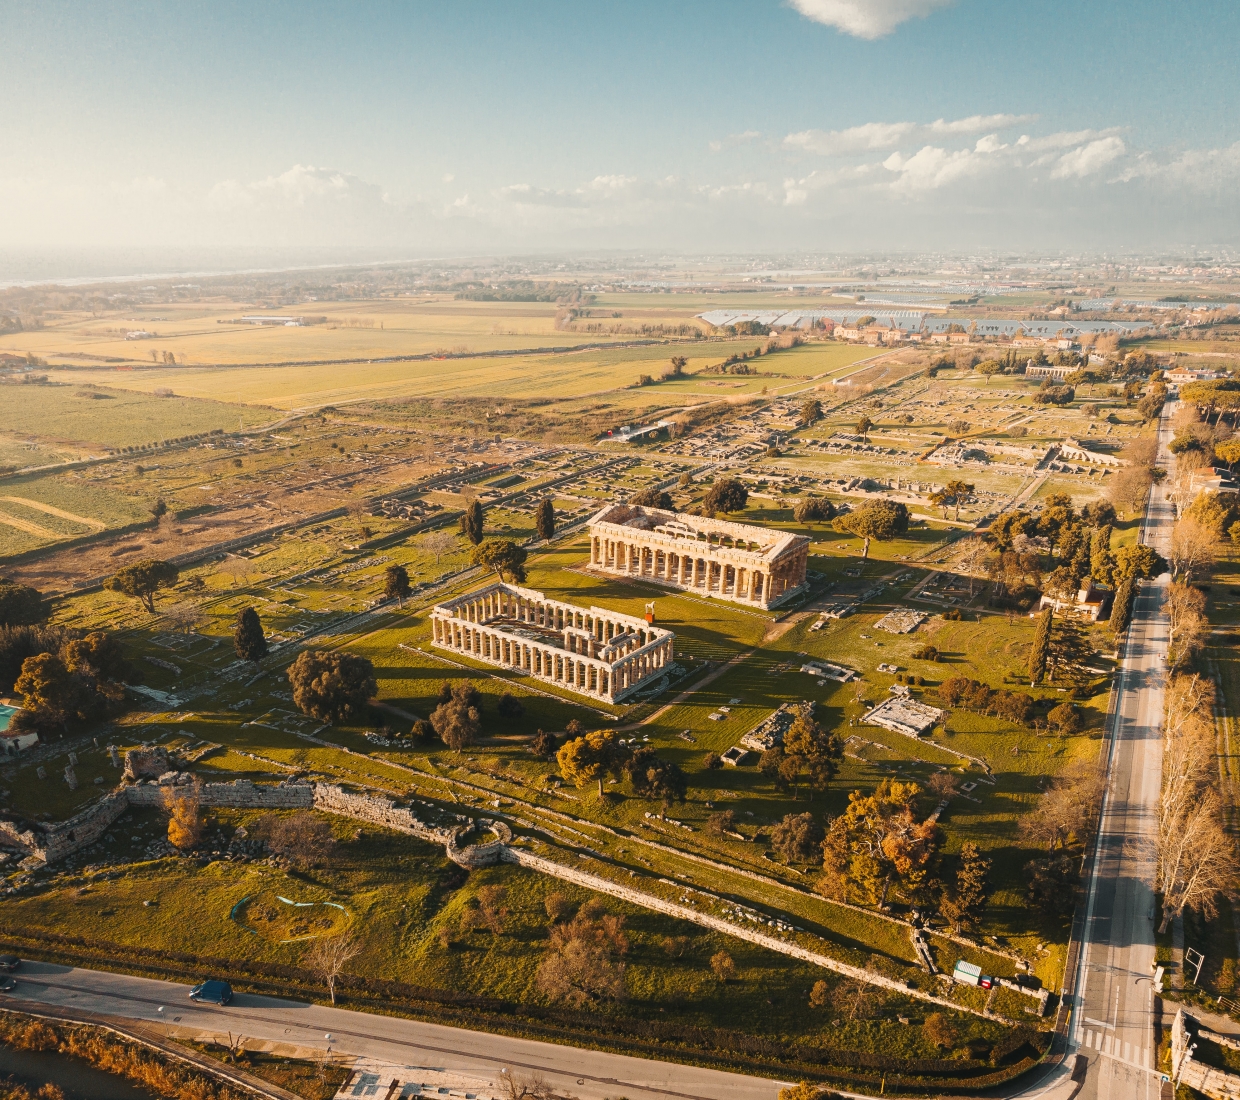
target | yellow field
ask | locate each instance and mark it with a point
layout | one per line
(195, 333)
(561, 375)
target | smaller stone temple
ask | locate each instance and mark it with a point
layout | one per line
(712, 557)
(590, 651)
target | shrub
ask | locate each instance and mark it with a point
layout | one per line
(712, 761)
(926, 653)
(723, 967)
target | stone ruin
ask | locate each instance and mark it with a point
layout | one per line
(146, 763)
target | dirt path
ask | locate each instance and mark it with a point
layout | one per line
(93, 524)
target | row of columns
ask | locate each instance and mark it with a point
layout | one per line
(723, 578)
(503, 602)
(576, 671)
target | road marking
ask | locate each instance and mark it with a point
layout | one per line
(1096, 1023)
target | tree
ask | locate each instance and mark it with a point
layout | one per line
(811, 410)
(723, 967)
(473, 522)
(883, 520)
(21, 605)
(544, 744)
(1131, 486)
(504, 557)
(959, 491)
(721, 823)
(331, 686)
(864, 424)
(876, 843)
(650, 497)
(582, 963)
(940, 1031)
(820, 994)
(328, 956)
(1065, 719)
(816, 751)
(798, 838)
(509, 707)
(303, 838)
(989, 368)
(1050, 884)
(159, 509)
(1040, 649)
(655, 778)
(396, 584)
(966, 903)
(1188, 625)
(249, 642)
(544, 518)
(1101, 563)
(183, 805)
(48, 689)
(558, 907)
(1070, 653)
(1067, 809)
(517, 1087)
(1139, 561)
(591, 757)
(457, 722)
(813, 509)
(1193, 549)
(142, 580)
(1005, 530)
(96, 657)
(439, 543)
(679, 362)
(1121, 606)
(726, 495)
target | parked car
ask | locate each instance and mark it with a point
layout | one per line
(212, 991)
(9, 962)
(985, 982)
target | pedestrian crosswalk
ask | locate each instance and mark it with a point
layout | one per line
(1118, 1049)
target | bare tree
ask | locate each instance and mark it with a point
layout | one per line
(328, 957)
(184, 618)
(1067, 808)
(236, 567)
(439, 543)
(518, 1087)
(972, 559)
(1193, 549)
(1130, 487)
(303, 839)
(1186, 612)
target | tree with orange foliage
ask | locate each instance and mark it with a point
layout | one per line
(184, 806)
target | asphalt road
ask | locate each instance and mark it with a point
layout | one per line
(1113, 1017)
(588, 1074)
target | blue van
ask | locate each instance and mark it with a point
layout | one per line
(212, 992)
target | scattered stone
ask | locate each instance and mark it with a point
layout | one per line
(71, 777)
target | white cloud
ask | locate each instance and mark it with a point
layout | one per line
(888, 135)
(1088, 159)
(1062, 139)
(931, 167)
(301, 186)
(1195, 169)
(866, 18)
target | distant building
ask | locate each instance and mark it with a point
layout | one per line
(1048, 370)
(1183, 376)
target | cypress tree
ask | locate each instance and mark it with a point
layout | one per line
(1101, 564)
(1041, 647)
(1121, 610)
(248, 639)
(473, 522)
(967, 902)
(544, 518)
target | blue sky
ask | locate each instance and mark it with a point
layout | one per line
(434, 128)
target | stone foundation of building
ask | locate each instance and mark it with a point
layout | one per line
(594, 652)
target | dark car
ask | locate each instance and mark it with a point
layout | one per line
(7, 984)
(9, 962)
(213, 992)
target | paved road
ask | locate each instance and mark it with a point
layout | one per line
(479, 1056)
(1113, 1017)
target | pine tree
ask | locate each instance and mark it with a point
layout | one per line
(473, 522)
(1041, 647)
(967, 902)
(544, 518)
(248, 639)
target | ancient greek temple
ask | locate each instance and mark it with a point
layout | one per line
(591, 651)
(718, 558)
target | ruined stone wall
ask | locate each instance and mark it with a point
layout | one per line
(59, 841)
(240, 794)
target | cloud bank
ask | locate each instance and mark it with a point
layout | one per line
(868, 19)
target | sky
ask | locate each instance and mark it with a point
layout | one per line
(429, 128)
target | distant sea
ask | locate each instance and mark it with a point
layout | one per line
(73, 267)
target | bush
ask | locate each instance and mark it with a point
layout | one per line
(544, 744)
(926, 653)
(712, 761)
